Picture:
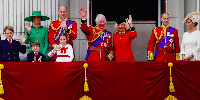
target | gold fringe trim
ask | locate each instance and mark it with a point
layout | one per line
(1, 85)
(1, 99)
(86, 87)
(85, 98)
(177, 56)
(95, 33)
(163, 32)
(55, 29)
(171, 97)
(58, 34)
(171, 85)
(150, 55)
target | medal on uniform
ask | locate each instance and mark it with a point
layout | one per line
(169, 34)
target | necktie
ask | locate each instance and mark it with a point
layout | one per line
(35, 54)
(10, 41)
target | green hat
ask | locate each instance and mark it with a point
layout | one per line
(36, 13)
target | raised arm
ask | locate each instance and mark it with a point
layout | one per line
(84, 28)
(27, 32)
(132, 30)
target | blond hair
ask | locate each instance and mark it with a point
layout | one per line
(35, 43)
(126, 25)
(8, 28)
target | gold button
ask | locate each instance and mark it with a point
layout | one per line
(8, 58)
(14, 57)
(8, 53)
(14, 52)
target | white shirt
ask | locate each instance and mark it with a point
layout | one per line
(10, 40)
(191, 44)
(63, 55)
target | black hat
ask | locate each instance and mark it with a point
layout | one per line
(120, 20)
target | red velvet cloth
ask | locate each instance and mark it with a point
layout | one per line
(107, 80)
(43, 81)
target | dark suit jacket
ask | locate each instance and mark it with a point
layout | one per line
(10, 53)
(30, 57)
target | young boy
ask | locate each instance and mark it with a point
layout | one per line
(35, 56)
(10, 48)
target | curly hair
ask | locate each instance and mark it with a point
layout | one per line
(126, 25)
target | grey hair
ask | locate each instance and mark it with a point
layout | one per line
(98, 16)
(126, 26)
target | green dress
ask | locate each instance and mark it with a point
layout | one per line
(39, 34)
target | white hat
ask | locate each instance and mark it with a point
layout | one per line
(194, 16)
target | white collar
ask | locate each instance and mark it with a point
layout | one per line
(35, 52)
(10, 41)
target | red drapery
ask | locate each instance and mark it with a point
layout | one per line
(107, 80)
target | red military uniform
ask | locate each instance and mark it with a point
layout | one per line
(96, 51)
(166, 40)
(122, 45)
(55, 29)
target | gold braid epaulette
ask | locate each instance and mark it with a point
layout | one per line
(156, 35)
(99, 34)
(54, 28)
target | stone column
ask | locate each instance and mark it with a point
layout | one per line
(175, 8)
(80, 44)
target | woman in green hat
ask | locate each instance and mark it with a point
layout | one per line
(37, 32)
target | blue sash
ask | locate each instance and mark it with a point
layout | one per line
(163, 43)
(98, 41)
(69, 24)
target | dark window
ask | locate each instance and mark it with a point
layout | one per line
(139, 9)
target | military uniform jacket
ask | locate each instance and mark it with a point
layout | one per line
(55, 28)
(10, 53)
(170, 48)
(92, 33)
(39, 34)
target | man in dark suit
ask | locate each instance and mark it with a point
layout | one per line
(35, 56)
(10, 48)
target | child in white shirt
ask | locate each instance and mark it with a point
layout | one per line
(64, 51)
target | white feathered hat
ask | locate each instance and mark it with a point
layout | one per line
(194, 16)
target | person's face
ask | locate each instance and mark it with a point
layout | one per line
(121, 27)
(101, 22)
(35, 48)
(165, 19)
(62, 12)
(63, 40)
(9, 34)
(189, 24)
(36, 19)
